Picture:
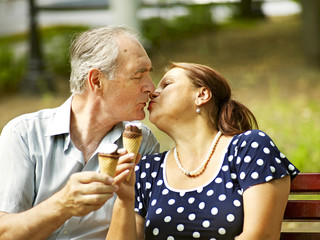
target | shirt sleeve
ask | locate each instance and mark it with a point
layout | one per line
(149, 144)
(16, 171)
(258, 160)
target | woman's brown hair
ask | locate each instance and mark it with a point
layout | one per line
(229, 116)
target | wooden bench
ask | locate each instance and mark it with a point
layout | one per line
(303, 210)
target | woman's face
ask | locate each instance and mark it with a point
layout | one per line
(173, 100)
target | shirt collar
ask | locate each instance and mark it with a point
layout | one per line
(61, 119)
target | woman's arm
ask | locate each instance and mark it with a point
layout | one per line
(264, 206)
(125, 224)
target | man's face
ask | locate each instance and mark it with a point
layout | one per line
(128, 92)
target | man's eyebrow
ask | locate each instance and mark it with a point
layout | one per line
(143, 70)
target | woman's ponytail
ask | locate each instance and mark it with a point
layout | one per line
(235, 118)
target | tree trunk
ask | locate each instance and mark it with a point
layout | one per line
(311, 29)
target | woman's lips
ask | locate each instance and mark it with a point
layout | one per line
(150, 105)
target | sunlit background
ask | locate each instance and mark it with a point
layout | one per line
(268, 50)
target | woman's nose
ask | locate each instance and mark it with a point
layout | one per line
(154, 95)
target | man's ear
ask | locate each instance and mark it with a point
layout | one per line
(203, 95)
(94, 79)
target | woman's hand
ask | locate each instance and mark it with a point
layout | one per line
(124, 169)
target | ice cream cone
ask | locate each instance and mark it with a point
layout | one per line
(132, 137)
(108, 163)
(108, 160)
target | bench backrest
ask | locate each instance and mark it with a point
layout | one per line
(303, 210)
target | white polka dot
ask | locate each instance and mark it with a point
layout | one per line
(191, 200)
(237, 203)
(157, 158)
(238, 160)
(278, 160)
(202, 205)
(143, 175)
(165, 191)
(192, 216)
(261, 134)
(240, 192)
(247, 159)
(254, 145)
(180, 209)
(196, 235)
(254, 175)
(155, 231)
(199, 190)
(269, 178)
(159, 182)
(170, 238)
(225, 168)
(233, 176)
(210, 193)
(243, 144)
(272, 144)
(229, 185)
(222, 197)
(182, 194)
(154, 201)
(147, 165)
(159, 210)
(153, 174)
(235, 142)
(180, 227)
(214, 211)
(136, 168)
(291, 167)
(218, 180)
(138, 185)
(247, 133)
(167, 219)
(260, 162)
(147, 223)
(171, 201)
(272, 169)
(230, 158)
(221, 231)
(206, 224)
(230, 217)
(143, 158)
(242, 175)
(282, 155)
(148, 185)
(266, 150)
(140, 205)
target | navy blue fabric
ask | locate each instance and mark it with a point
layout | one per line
(214, 210)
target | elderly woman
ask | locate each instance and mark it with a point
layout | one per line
(222, 180)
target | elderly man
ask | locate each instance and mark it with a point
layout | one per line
(50, 185)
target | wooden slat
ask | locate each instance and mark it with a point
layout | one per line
(306, 182)
(300, 236)
(303, 210)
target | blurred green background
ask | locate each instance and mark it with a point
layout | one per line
(263, 58)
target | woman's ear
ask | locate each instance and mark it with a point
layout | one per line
(203, 95)
(94, 79)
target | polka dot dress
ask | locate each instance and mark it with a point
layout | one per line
(215, 210)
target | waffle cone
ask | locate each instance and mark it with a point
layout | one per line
(132, 145)
(108, 163)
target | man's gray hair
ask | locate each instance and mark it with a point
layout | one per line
(96, 48)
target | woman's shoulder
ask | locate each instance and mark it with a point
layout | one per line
(254, 136)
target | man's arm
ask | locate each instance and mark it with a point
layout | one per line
(84, 192)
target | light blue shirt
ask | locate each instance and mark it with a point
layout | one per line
(37, 158)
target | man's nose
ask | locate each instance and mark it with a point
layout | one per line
(148, 86)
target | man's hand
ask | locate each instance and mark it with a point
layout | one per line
(85, 192)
